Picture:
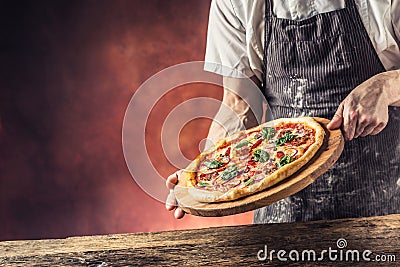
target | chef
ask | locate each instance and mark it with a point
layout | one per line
(335, 59)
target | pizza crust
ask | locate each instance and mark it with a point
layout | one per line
(188, 176)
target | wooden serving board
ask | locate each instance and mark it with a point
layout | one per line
(327, 155)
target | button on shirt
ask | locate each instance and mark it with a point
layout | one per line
(235, 40)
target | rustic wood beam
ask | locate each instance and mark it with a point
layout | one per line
(219, 246)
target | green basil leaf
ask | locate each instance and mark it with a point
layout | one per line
(248, 181)
(287, 137)
(267, 133)
(203, 184)
(260, 155)
(242, 144)
(229, 173)
(213, 164)
(283, 161)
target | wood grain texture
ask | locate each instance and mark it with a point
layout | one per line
(219, 246)
(320, 163)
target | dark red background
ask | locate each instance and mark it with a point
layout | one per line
(68, 71)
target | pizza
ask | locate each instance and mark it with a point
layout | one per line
(252, 160)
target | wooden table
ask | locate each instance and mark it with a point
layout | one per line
(226, 246)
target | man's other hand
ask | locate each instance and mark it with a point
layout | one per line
(365, 110)
(171, 204)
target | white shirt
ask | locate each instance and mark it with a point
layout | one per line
(235, 38)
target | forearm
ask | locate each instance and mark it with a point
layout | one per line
(236, 116)
(241, 108)
(391, 80)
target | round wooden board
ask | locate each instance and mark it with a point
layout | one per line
(327, 155)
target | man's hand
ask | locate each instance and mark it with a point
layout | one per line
(171, 204)
(365, 110)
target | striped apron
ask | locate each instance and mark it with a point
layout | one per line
(310, 66)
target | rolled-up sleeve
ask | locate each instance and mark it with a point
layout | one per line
(226, 51)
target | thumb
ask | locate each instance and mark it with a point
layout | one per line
(337, 119)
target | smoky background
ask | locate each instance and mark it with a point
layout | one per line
(67, 72)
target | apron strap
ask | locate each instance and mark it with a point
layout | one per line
(267, 34)
(268, 9)
(351, 4)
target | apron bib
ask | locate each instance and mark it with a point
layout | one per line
(310, 66)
